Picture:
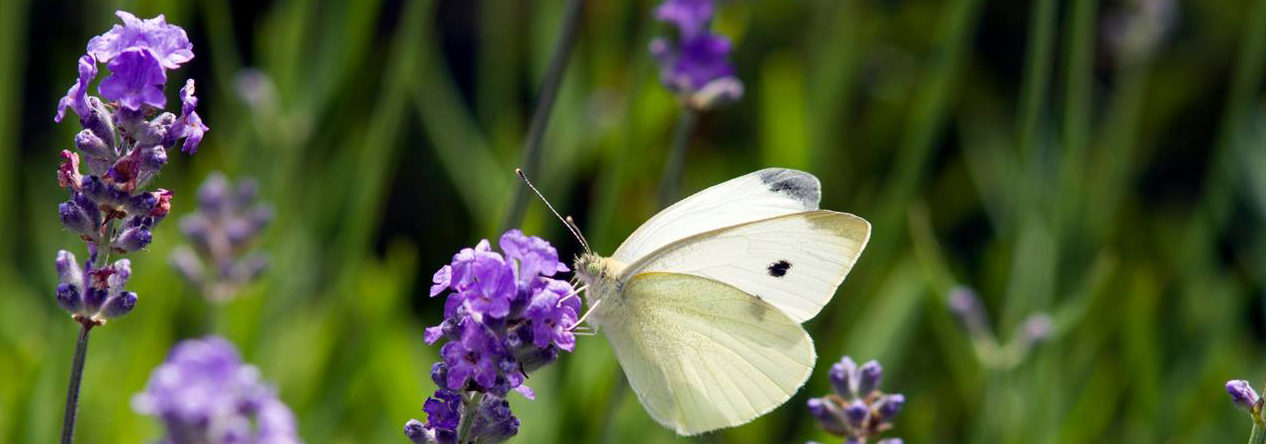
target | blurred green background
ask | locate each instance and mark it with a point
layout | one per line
(1102, 161)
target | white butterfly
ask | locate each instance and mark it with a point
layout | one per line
(703, 303)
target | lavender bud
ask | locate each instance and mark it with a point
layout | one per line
(94, 298)
(868, 378)
(247, 191)
(827, 415)
(68, 269)
(187, 264)
(439, 373)
(119, 305)
(68, 298)
(843, 377)
(212, 195)
(965, 306)
(856, 414)
(416, 432)
(78, 219)
(100, 121)
(889, 405)
(122, 272)
(132, 239)
(1242, 394)
(153, 157)
(92, 146)
(891, 441)
(494, 423)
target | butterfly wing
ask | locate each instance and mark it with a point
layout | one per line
(702, 355)
(794, 262)
(758, 195)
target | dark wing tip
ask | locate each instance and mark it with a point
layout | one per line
(796, 184)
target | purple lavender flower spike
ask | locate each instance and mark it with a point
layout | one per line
(167, 43)
(696, 66)
(504, 317)
(205, 393)
(136, 79)
(77, 96)
(227, 221)
(857, 410)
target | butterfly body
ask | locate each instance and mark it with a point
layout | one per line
(702, 304)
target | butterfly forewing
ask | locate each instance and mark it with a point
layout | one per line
(758, 195)
(703, 355)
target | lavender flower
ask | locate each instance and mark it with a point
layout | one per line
(227, 221)
(1035, 329)
(857, 410)
(204, 394)
(118, 152)
(504, 317)
(696, 66)
(122, 146)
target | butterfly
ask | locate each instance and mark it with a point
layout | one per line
(703, 303)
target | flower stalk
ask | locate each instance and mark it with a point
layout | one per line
(544, 105)
(76, 376)
(671, 182)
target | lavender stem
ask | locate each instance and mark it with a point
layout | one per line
(545, 103)
(671, 181)
(76, 376)
(470, 408)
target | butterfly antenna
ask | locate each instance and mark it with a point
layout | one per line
(571, 225)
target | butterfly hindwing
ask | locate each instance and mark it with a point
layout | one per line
(703, 355)
(794, 262)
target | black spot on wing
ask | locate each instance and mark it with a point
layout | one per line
(779, 269)
(797, 185)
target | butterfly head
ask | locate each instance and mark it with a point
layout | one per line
(596, 270)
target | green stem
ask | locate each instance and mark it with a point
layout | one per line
(671, 181)
(1258, 435)
(76, 376)
(545, 103)
(470, 408)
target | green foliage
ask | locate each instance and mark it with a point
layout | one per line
(1000, 145)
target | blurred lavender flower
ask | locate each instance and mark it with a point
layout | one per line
(857, 410)
(504, 317)
(117, 153)
(696, 66)
(227, 221)
(204, 394)
(969, 311)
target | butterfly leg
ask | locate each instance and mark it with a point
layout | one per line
(586, 315)
(574, 293)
